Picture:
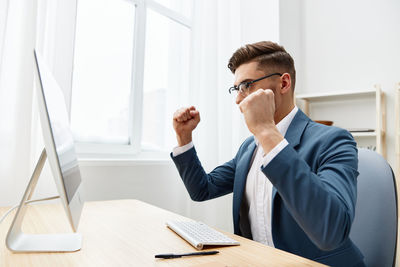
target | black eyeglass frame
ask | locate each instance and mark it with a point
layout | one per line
(247, 84)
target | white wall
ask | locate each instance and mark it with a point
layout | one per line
(346, 46)
(259, 21)
(156, 183)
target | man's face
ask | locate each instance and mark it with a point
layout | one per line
(248, 72)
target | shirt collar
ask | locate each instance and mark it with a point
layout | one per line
(283, 125)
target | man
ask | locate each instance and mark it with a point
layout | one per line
(294, 182)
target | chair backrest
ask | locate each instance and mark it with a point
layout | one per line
(374, 229)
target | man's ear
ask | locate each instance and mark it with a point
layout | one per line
(286, 83)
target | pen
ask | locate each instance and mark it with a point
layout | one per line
(171, 256)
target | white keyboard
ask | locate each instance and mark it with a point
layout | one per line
(199, 234)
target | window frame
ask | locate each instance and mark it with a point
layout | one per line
(134, 149)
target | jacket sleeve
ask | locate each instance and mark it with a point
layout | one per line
(322, 202)
(200, 185)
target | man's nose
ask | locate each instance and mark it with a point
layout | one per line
(239, 98)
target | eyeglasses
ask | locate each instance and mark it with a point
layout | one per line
(243, 87)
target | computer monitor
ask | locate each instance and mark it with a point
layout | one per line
(59, 149)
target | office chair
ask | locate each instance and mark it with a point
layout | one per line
(374, 229)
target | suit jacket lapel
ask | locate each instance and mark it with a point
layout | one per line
(296, 128)
(242, 170)
(293, 136)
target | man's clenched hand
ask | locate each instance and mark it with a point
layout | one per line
(185, 121)
(258, 110)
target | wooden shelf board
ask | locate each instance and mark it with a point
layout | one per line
(363, 134)
(338, 94)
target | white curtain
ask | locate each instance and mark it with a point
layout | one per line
(221, 27)
(16, 80)
(24, 26)
(216, 34)
(3, 21)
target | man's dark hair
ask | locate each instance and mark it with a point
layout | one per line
(268, 55)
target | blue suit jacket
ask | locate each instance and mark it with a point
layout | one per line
(314, 189)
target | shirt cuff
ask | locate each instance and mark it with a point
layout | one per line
(275, 151)
(182, 149)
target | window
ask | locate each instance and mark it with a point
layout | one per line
(131, 71)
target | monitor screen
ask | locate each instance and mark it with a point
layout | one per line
(58, 139)
(61, 133)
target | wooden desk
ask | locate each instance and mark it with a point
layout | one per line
(130, 233)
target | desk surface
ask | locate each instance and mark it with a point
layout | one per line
(130, 233)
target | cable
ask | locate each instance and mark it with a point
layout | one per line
(26, 202)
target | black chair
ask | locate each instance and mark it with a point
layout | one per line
(374, 229)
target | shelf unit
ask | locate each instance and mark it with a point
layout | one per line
(380, 112)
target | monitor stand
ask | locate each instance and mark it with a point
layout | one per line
(17, 241)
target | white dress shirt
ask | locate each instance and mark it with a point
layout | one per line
(258, 191)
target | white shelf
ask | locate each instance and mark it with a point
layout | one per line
(337, 94)
(380, 111)
(363, 134)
